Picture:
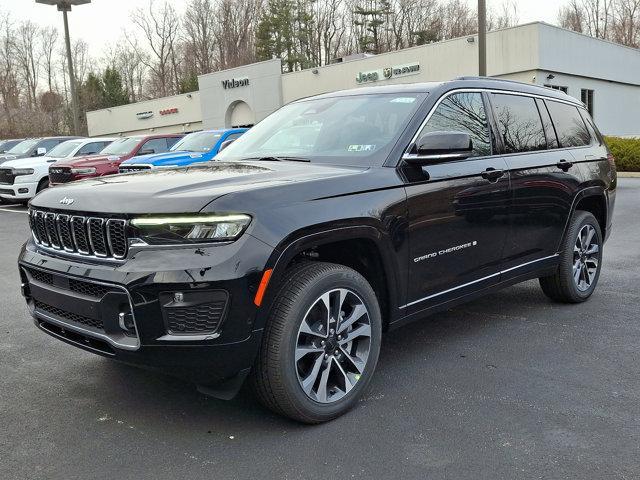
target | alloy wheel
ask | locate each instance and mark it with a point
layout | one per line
(333, 345)
(586, 258)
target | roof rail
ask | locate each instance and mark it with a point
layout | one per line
(495, 79)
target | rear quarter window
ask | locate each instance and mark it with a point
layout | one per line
(569, 125)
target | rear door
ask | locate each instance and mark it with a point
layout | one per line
(457, 210)
(543, 179)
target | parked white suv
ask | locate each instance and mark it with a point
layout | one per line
(22, 179)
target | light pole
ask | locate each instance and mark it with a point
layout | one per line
(64, 6)
(482, 38)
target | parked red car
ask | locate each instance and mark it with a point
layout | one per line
(109, 159)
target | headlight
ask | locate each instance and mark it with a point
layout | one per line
(83, 171)
(190, 228)
(22, 171)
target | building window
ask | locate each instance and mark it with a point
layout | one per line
(587, 98)
(558, 87)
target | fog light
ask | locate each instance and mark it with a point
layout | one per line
(23, 190)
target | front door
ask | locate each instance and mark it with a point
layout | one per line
(457, 210)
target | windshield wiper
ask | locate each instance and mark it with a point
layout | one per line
(270, 158)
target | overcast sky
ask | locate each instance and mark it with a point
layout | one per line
(101, 22)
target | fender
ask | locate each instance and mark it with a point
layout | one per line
(300, 241)
(595, 191)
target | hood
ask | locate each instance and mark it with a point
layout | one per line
(90, 161)
(169, 159)
(28, 162)
(182, 190)
(5, 157)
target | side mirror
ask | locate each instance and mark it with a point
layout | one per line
(147, 151)
(40, 151)
(434, 147)
(225, 144)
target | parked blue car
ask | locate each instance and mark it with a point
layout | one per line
(193, 148)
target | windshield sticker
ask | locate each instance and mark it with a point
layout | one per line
(361, 148)
(404, 100)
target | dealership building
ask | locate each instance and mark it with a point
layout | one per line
(604, 75)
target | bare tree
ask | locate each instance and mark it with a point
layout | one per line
(8, 80)
(200, 41)
(235, 31)
(626, 24)
(27, 55)
(48, 43)
(159, 27)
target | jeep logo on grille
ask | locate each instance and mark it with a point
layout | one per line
(66, 201)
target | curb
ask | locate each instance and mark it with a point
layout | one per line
(628, 174)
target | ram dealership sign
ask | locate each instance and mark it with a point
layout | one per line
(388, 73)
(235, 83)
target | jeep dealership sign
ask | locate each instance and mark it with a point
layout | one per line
(388, 73)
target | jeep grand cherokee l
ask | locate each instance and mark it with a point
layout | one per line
(285, 261)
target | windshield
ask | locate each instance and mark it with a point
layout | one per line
(24, 147)
(64, 149)
(197, 142)
(122, 146)
(351, 130)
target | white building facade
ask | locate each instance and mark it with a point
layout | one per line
(604, 75)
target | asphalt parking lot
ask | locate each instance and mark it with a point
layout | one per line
(507, 387)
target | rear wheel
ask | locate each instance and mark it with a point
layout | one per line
(580, 262)
(321, 343)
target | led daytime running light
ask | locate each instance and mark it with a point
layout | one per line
(154, 221)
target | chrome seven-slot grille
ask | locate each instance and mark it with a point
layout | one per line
(80, 234)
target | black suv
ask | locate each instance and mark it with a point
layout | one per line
(332, 220)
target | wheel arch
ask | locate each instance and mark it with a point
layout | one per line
(364, 248)
(593, 200)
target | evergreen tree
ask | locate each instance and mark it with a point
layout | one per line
(189, 83)
(373, 15)
(115, 93)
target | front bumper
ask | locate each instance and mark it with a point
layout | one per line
(128, 311)
(18, 191)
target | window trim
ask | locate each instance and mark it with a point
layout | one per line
(406, 152)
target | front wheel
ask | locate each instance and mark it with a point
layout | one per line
(321, 343)
(580, 262)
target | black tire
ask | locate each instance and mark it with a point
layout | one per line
(275, 374)
(561, 286)
(44, 183)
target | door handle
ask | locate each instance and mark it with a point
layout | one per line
(492, 174)
(564, 165)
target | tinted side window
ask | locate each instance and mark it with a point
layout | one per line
(171, 141)
(519, 123)
(463, 112)
(91, 148)
(593, 130)
(49, 144)
(571, 130)
(158, 145)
